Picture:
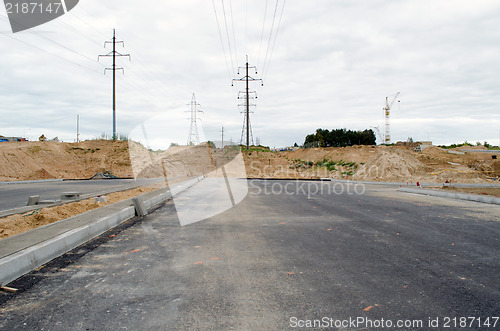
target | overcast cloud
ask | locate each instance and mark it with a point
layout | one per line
(332, 65)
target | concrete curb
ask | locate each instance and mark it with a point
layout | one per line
(483, 185)
(25, 209)
(461, 196)
(25, 252)
(33, 181)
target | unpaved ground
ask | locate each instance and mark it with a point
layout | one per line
(15, 224)
(486, 190)
(374, 163)
(48, 159)
(41, 160)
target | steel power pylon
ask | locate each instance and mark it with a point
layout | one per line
(247, 125)
(114, 54)
(194, 137)
(247, 78)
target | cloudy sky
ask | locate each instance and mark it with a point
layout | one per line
(325, 64)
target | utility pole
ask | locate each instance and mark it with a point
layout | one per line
(78, 128)
(247, 79)
(114, 54)
(194, 137)
(222, 137)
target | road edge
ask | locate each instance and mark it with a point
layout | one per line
(28, 259)
(459, 196)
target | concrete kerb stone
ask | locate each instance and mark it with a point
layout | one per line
(414, 184)
(25, 209)
(32, 181)
(460, 196)
(20, 262)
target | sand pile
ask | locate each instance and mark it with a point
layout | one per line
(392, 165)
(358, 154)
(50, 159)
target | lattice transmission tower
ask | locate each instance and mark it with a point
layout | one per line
(246, 132)
(247, 129)
(194, 137)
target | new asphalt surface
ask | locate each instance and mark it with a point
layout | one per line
(14, 195)
(290, 255)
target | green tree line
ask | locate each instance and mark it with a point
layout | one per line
(339, 138)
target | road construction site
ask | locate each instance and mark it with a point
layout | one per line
(249, 239)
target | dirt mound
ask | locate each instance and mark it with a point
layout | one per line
(392, 165)
(434, 150)
(358, 154)
(44, 160)
(49, 159)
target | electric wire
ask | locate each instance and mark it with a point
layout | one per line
(45, 51)
(222, 41)
(40, 35)
(264, 73)
(234, 34)
(270, 36)
(228, 39)
(262, 33)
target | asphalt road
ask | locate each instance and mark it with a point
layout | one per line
(278, 261)
(16, 195)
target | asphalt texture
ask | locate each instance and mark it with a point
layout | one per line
(16, 195)
(280, 259)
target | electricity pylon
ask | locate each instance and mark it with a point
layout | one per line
(194, 137)
(247, 92)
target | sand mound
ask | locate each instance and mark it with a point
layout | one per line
(434, 150)
(50, 159)
(392, 165)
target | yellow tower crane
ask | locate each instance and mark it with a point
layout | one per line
(387, 110)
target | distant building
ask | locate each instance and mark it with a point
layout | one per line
(11, 139)
(416, 146)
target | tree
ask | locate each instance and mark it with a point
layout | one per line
(340, 138)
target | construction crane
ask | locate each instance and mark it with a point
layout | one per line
(387, 110)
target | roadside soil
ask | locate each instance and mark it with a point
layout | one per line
(15, 224)
(44, 160)
(486, 191)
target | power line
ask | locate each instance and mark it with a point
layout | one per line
(137, 68)
(228, 39)
(234, 34)
(55, 55)
(221, 39)
(270, 36)
(274, 42)
(262, 33)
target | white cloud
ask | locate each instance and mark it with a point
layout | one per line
(332, 66)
